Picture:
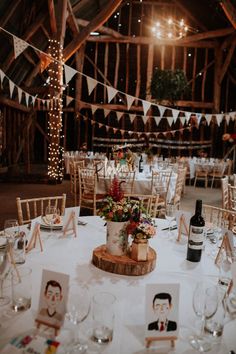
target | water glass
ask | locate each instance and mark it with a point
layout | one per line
(215, 324)
(21, 288)
(103, 312)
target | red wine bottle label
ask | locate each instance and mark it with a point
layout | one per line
(196, 237)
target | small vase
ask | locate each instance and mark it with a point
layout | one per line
(139, 250)
(117, 238)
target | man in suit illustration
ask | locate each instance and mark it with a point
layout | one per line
(162, 306)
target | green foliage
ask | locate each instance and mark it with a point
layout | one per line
(169, 84)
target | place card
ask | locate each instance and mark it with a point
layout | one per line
(182, 220)
(162, 313)
(35, 235)
(70, 224)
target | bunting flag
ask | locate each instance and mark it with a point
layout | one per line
(19, 46)
(2, 75)
(119, 115)
(33, 100)
(227, 118)
(175, 114)
(157, 120)
(161, 110)
(11, 87)
(93, 108)
(27, 98)
(170, 120)
(182, 119)
(19, 94)
(91, 83)
(111, 92)
(130, 100)
(69, 73)
(199, 117)
(100, 125)
(106, 112)
(146, 106)
(132, 117)
(208, 118)
(107, 128)
(188, 116)
(45, 60)
(145, 119)
(69, 100)
(219, 118)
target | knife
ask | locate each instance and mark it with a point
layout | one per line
(171, 228)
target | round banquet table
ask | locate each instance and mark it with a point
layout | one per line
(73, 256)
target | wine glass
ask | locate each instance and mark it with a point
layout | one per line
(78, 308)
(205, 302)
(4, 271)
(11, 230)
(170, 211)
(51, 214)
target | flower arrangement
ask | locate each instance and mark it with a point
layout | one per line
(142, 229)
(118, 208)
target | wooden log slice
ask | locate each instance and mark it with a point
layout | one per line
(123, 264)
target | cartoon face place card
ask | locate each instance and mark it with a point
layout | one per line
(53, 299)
(162, 309)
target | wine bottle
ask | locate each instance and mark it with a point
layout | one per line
(140, 166)
(196, 234)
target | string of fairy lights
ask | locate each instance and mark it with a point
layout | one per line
(55, 170)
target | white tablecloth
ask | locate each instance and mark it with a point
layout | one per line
(73, 256)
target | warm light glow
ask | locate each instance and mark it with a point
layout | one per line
(170, 29)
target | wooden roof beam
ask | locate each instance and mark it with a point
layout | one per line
(229, 11)
(52, 16)
(61, 14)
(101, 29)
(227, 61)
(102, 17)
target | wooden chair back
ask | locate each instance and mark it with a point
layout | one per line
(179, 186)
(126, 179)
(232, 197)
(148, 201)
(219, 217)
(225, 192)
(160, 182)
(28, 209)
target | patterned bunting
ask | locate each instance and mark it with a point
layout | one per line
(19, 46)
(45, 60)
(69, 73)
(130, 100)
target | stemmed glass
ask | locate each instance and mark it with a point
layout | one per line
(205, 302)
(51, 214)
(78, 309)
(170, 211)
(11, 230)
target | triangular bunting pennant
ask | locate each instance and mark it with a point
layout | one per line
(11, 87)
(219, 118)
(47, 103)
(157, 120)
(227, 118)
(199, 117)
(19, 94)
(146, 106)
(69, 100)
(175, 114)
(111, 92)
(100, 125)
(106, 112)
(45, 60)
(2, 75)
(182, 120)
(132, 117)
(93, 108)
(161, 110)
(19, 46)
(91, 84)
(69, 73)
(145, 119)
(130, 100)
(115, 130)
(170, 120)
(107, 128)
(119, 115)
(188, 115)
(33, 100)
(27, 98)
(208, 118)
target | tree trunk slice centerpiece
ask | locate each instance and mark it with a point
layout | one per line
(123, 264)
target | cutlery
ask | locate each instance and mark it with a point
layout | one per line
(82, 223)
(171, 228)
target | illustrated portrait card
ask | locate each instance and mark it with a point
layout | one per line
(162, 310)
(53, 298)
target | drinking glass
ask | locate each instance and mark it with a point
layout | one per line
(205, 301)
(78, 308)
(51, 214)
(170, 211)
(11, 230)
(4, 271)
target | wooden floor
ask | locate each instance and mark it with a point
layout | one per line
(9, 192)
